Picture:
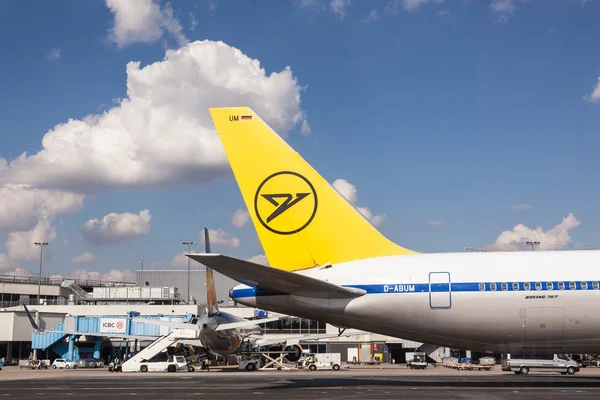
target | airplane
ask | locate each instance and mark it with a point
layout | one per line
(327, 262)
(225, 334)
(217, 332)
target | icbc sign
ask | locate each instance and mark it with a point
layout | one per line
(112, 325)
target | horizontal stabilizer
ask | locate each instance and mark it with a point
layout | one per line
(304, 338)
(244, 324)
(267, 278)
(169, 324)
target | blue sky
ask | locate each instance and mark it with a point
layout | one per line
(444, 115)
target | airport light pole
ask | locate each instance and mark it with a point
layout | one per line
(533, 244)
(189, 245)
(41, 244)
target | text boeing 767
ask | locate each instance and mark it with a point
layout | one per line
(329, 263)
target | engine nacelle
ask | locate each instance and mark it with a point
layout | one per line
(294, 352)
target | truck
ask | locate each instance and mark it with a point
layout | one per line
(173, 364)
(416, 360)
(320, 361)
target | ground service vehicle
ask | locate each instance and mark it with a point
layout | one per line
(521, 364)
(63, 363)
(417, 360)
(321, 361)
(173, 364)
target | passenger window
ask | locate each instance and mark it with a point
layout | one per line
(504, 286)
(493, 286)
(561, 285)
(572, 285)
(482, 286)
(515, 285)
(538, 286)
(595, 285)
(549, 285)
(527, 285)
(584, 285)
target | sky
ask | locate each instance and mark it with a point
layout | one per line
(446, 123)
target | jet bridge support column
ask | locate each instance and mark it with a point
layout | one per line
(71, 347)
(97, 347)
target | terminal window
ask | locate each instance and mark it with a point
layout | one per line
(294, 326)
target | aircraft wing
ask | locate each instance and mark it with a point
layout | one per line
(170, 324)
(296, 339)
(37, 329)
(268, 278)
(244, 324)
(221, 327)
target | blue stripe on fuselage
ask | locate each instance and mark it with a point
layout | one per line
(435, 287)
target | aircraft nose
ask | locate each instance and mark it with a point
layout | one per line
(231, 294)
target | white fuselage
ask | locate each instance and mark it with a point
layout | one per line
(449, 300)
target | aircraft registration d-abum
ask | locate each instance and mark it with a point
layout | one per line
(329, 263)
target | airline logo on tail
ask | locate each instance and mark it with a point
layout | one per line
(271, 203)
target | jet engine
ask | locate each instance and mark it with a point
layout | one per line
(294, 352)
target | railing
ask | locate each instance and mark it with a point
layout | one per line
(33, 302)
(57, 281)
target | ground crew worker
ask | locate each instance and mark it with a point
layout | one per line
(311, 359)
(207, 364)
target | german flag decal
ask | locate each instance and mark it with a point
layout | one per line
(246, 117)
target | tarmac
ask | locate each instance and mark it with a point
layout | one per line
(389, 382)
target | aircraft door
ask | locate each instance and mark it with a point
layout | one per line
(440, 290)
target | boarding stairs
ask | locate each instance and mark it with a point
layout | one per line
(161, 344)
(78, 290)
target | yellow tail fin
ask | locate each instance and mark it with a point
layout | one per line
(301, 220)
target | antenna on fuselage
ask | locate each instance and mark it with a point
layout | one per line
(211, 293)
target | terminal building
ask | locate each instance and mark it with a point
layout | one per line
(103, 307)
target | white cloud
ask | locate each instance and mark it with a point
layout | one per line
(221, 237)
(143, 21)
(445, 15)
(338, 7)
(18, 271)
(595, 95)
(240, 218)
(306, 3)
(161, 134)
(193, 22)
(391, 8)
(7, 263)
(433, 223)
(259, 259)
(349, 191)
(305, 128)
(413, 5)
(116, 227)
(53, 54)
(376, 220)
(180, 260)
(346, 189)
(372, 17)
(20, 244)
(552, 239)
(85, 258)
(21, 206)
(113, 275)
(522, 207)
(212, 7)
(504, 8)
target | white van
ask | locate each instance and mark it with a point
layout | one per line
(521, 364)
